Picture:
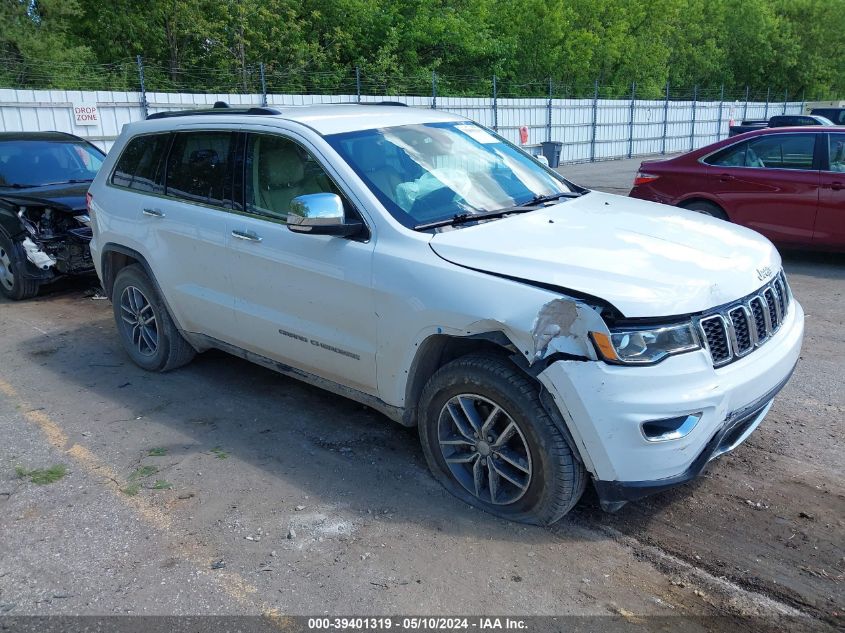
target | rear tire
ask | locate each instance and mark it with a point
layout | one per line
(535, 476)
(13, 284)
(706, 208)
(146, 330)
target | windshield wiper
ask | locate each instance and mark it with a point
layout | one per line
(552, 197)
(463, 218)
(17, 185)
(72, 181)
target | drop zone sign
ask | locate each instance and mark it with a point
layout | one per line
(86, 114)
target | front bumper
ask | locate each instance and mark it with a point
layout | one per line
(605, 407)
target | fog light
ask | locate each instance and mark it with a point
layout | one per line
(670, 428)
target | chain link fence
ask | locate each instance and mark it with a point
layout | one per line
(591, 120)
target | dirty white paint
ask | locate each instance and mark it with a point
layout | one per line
(516, 277)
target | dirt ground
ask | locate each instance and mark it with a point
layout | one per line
(224, 488)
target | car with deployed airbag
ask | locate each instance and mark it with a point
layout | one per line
(541, 336)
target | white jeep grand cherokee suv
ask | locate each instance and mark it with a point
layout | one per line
(536, 332)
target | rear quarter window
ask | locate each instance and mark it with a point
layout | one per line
(140, 165)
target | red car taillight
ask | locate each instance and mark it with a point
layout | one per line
(642, 178)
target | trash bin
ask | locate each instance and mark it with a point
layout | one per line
(552, 150)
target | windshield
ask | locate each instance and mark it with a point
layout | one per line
(33, 163)
(431, 172)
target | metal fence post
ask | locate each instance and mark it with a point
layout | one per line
(358, 83)
(803, 103)
(745, 110)
(263, 84)
(721, 107)
(433, 90)
(631, 119)
(665, 120)
(768, 96)
(145, 106)
(692, 126)
(549, 113)
(785, 99)
(495, 105)
(595, 120)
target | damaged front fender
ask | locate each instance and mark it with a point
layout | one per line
(562, 326)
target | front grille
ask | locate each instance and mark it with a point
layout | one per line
(739, 328)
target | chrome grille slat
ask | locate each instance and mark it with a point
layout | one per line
(741, 327)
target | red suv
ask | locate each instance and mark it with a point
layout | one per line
(786, 183)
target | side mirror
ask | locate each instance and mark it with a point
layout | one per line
(321, 214)
(542, 158)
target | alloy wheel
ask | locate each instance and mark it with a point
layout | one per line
(139, 320)
(484, 449)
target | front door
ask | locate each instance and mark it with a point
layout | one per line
(303, 300)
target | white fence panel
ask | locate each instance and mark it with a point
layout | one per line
(589, 129)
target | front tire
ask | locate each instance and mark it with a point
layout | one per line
(489, 441)
(13, 284)
(146, 330)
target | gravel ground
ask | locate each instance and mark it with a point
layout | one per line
(224, 488)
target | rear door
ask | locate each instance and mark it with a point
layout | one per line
(830, 222)
(771, 184)
(188, 230)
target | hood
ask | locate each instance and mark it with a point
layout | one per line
(647, 259)
(64, 197)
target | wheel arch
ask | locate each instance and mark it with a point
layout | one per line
(703, 198)
(114, 258)
(438, 349)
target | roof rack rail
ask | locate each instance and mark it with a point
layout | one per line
(217, 109)
(382, 103)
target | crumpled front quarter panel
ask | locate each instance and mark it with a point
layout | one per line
(419, 295)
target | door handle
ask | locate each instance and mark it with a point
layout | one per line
(248, 236)
(155, 213)
(837, 186)
(725, 177)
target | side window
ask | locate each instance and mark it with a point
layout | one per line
(277, 171)
(836, 151)
(140, 165)
(199, 167)
(733, 156)
(781, 151)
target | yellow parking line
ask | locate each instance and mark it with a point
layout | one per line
(231, 582)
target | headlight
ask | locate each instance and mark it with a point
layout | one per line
(642, 346)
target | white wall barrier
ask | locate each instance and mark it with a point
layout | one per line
(590, 129)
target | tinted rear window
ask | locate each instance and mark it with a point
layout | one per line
(140, 165)
(199, 167)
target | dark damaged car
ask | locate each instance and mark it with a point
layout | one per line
(44, 224)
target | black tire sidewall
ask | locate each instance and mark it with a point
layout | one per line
(18, 290)
(522, 406)
(135, 276)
